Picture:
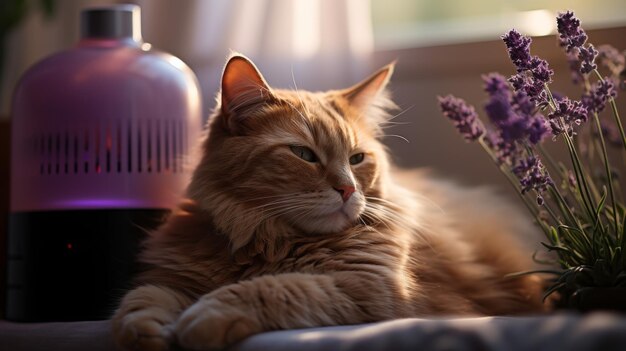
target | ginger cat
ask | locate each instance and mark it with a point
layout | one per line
(295, 219)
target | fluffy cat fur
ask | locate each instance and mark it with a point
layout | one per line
(287, 226)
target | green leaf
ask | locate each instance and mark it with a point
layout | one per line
(622, 240)
(554, 236)
(602, 202)
(557, 248)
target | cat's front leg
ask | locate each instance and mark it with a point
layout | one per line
(286, 301)
(144, 320)
(217, 320)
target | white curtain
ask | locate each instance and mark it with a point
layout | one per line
(311, 44)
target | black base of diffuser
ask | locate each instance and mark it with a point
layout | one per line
(72, 265)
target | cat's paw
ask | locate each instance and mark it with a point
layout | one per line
(142, 330)
(210, 324)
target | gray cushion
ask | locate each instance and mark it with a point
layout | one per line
(598, 331)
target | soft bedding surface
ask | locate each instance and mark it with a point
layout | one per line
(597, 331)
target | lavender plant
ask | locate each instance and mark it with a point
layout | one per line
(580, 210)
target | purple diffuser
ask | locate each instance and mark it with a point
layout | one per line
(100, 140)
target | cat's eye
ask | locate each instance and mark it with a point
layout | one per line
(304, 153)
(357, 158)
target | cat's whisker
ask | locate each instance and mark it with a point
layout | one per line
(414, 194)
(360, 219)
(397, 136)
(263, 212)
(390, 124)
(376, 200)
(399, 114)
(386, 216)
(282, 211)
(253, 199)
(293, 78)
(372, 219)
(296, 109)
(378, 216)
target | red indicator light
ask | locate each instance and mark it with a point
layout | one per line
(69, 246)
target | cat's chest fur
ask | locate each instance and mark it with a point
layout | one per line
(355, 249)
(205, 256)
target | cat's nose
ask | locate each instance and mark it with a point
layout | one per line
(345, 191)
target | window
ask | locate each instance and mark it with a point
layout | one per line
(414, 23)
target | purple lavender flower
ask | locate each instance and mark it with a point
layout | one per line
(520, 82)
(513, 114)
(556, 129)
(540, 70)
(463, 117)
(532, 175)
(537, 128)
(505, 152)
(515, 129)
(573, 38)
(518, 47)
(495, 84)
(570, 112)
(571, 35)
(595, 100)
(522, 104)
(557, 95)
(498, 108)
(587, 56)
(534, 89)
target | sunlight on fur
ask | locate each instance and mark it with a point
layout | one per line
(295, 218)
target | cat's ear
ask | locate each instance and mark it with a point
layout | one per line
(243, 87)
(371, 90)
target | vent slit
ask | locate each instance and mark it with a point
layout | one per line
(108, 145)
(49, 154)
(129, 148)
(139, 146)
(97, 149)
(86, 151)
(42, 154)
(158, 145)
(76, 152)
(119, 147)
(149, 146)
(57, 151)
(167, 145)
(66, 153)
